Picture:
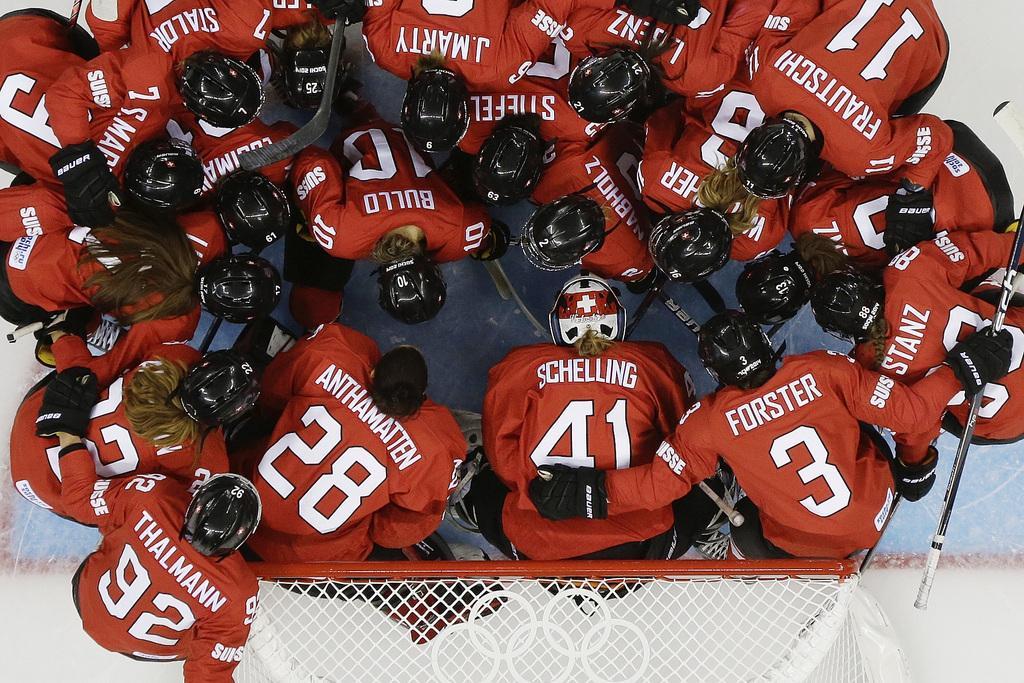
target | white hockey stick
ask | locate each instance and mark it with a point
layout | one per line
(1011, 119)
(735, 518)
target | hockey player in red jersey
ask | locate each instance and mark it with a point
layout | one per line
(591, 211)
(359, 457)
(165, 583)
(694, 59)
(589, 400)
(375, 197)
(34, 42)
(177, 29)
(842, 84)
(970, 193)
(920, 312)
(102, 109)
(818, 480)
(686, 142)
(138, 425)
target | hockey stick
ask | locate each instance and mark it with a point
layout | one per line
(870, 555)
(1011, 119)
(76, 9)
(735, 518)
(315, 127)
(506, 291)
(641, 311)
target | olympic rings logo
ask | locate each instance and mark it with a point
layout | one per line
(474, 637)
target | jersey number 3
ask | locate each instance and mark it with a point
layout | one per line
(819, 468)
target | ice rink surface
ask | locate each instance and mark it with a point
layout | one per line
(971, 630)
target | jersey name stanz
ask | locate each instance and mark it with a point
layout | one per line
(772, 405)
(353, 396)
(582, 370)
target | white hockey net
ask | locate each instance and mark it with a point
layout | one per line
(619, 622)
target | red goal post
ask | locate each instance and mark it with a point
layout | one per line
(552, 622)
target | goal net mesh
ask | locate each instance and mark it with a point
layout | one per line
(708, 623)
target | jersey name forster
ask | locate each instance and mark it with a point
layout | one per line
(773, 404)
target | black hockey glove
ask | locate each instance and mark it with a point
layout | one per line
(644, 285)
(913, 482)
(980, 359)
(351, 11)
(72, 321)
(90, 189)
(495, 245)
(909, 218)
(665, 11)
(68, 400)
(562, 492)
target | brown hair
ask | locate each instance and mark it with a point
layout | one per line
(152, 407)
(592, 344)
(146, 269)
(877, 334)
(435, 60)
(394, 246)
(400, 382)
(820, 253)
(312, 35)
(722, 191)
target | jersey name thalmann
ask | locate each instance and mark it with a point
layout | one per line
(353, 396)
(449, 44)
(827, 88)
(774, 404)
(581, 370)
(167, 33)
(497, 107)
(159, 544)
(907, 342)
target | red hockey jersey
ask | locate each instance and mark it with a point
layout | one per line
(374, 181)
(145, 591)
(928, 314)
(852, 213)
(698, 58)
(797, 449)
(115, 449)
(605, 171)
(847, 67)
(180, 27)
(35, 49)
(118, 100)
(339, 476)
(545, 405)
(219, 148)
(684, 145)
(28, 210)
(487, 43)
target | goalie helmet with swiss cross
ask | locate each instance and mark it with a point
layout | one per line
(586, 303)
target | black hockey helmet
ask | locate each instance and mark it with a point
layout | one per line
(224, 512)
(305, 74)
(847, 304)
(435, 111)
(254, 211)
(164, 174)
(560, 233)
(219, 89)
(239, 287)
(736, 351)
(774, 287)
(606, 87)
(691, 245)
(775, 158)
(219, 388)
(411, 290)
(509, 163)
